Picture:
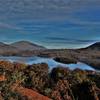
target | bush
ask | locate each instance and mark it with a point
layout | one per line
(62, 91)
(77, 76)
(19, 66)
(7, 65)
(86, 91)
(37, 76)
(59, 73)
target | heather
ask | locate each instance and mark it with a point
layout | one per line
(17, 80)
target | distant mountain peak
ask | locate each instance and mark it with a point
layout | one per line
(27, 45)
(24, 42)
(2, 44)
(95, 46)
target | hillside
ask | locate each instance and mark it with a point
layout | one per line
(26, 45)
(4, 48)
(95, 46)
(21, 48)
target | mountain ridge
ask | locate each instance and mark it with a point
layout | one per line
(27, 48)
(95, 46)
(26, 45)
(18, 48)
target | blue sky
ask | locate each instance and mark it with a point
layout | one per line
(52, 23)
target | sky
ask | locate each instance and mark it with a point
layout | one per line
(51, 23)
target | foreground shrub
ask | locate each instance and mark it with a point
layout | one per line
(77, 76)
(37, 76)
(59, 73)
(95, 78)
(86, 91)
(59, 84)
(7, 65)
(19, 66)
(7, 93)
(62, 91)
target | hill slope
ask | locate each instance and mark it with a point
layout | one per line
(95, 46)
(25, 45)
(4, 48)
(19, 48)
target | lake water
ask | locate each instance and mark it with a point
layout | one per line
(51, 63)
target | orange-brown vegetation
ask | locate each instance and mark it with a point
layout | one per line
(30, 94)
(2, 78)
(37, 82)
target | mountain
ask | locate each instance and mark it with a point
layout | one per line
(21, 48)
(4, 48)
(95, 46)
(26, 45)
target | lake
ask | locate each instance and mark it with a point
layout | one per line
(51, 63)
